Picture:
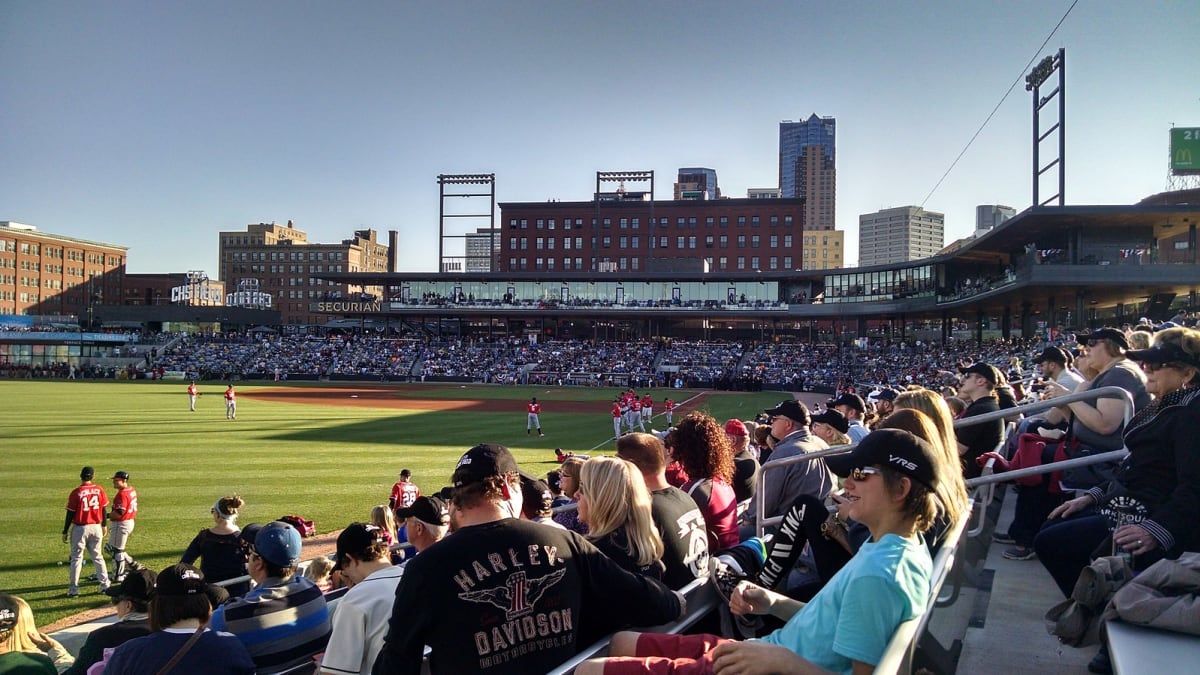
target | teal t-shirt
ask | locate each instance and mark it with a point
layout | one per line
(853, 618)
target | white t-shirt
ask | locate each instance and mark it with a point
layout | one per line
(360, 622)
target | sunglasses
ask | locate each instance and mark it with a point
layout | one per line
(863, 472)
(1155, 367)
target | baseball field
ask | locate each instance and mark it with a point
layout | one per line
(327, 451)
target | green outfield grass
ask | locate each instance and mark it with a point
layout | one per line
(327, 463)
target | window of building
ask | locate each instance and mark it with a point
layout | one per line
(579, 243)
(680, 222)
(624, 224)
(524, 224)
(567, 244)
(691, 242)
(741, 262)
(539, 243)
(662, 242)
(566, 264)
(741, 241)
(754, 241)
(550, 224)
(579, 263)
(607, 223)
(692, 222)
(787, 262)
(787, 220)
(787, 241)
(723, 263)
(549, 243)
(679, 243)
(774, 221)
(633, 263)
(773, 263)
(623, 263)
(774, 241)
(754, 222)
(607, 242)
(524, 243)
(709, 241)
(724, 241)
(754, 262)
(636, 242)
(741, 221)
(636, 223)
(708, 222)
(539, 264)
(623, 242)
(724, 221)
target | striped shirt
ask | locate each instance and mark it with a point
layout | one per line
(280, 622)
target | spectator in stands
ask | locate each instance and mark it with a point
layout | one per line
(1098, 425)
(385, 519)
(679, 521)
(131, 598)
(540, 592)
(554, 481)
(854, 409)
(537, 501)
(320, 570)
(885, 400)
(284, 620)
(745, 465)
(978, 385)
(847, 626)
(360, 622)
(427, 521)
(700, 446)
(791, 438)
(764, 442)
(957, 405)
(1149, 509)
(831, 426)
(615, 505)
(569, 518)
(219, 548)
(23, 648)
(180, 610)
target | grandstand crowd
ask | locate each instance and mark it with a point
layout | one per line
(502, 571)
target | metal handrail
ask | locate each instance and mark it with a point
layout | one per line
(1102, 392)
(1111, 456)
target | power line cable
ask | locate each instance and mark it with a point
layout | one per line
(1017, 81)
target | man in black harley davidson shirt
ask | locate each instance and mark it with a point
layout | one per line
(502, 595)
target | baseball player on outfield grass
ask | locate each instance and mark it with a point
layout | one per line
(617, 416)
(404, 492)
(533, 408)
(669, 409)
(124, 510)
(192, 395)
(85, 523)
(230, 403)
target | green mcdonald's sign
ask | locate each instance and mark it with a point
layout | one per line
(1185, 151)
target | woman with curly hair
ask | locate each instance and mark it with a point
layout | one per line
(615, 505)
(700, 445)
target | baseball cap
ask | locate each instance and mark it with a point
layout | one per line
(736, 428)
(894, 448)
(1164, 352)
(1052, 354)
(536, 491)
(834, 419)
(180, 579)
(483, 461)
(853, 400)
(1104, 334)
(887, 394)
(8, 612)
(276, 542)
(791, 409)
(86, 473)
(426, 509)
(356, 538)
(554, 481)
(123, 475)
(985, 370)
(136, 585)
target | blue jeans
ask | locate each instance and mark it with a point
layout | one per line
(1065, 547)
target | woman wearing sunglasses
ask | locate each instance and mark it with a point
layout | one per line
(895, 486)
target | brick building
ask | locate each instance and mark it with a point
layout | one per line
(47, 274)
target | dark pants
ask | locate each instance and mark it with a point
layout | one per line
(1034, 504)
(802, 524)
(1065, 547)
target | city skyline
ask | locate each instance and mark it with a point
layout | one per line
(158, 125)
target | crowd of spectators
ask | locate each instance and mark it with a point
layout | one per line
(377, 358)
(701, 361)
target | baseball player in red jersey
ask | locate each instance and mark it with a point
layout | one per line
(192, 394)
(85, 523)
(635, 414)
(124, 510)
(230, 403)
(533, 409)
(404, 492)
(617, 414)
(647, 408)
(668, 410)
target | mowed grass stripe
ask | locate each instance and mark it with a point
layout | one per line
(328, 463)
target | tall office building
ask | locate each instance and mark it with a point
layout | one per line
(988, 216)
(280, 260)
(697, 183)
(807, 168)
(898, 235)
(483, 249)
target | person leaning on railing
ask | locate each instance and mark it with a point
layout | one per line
(1150, 508)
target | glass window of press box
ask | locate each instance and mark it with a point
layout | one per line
(910, 282)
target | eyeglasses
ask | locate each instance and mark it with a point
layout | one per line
(863, 472)
(1154, 367)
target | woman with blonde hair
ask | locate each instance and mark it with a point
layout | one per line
(219, 547)
(938, 410)
(23, 648)
(383, 518)
(615, 505)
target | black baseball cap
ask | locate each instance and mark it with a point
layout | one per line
(180, 579)
(123, 475)
(886, 394)
(1104, 334)
(1052, 354)
(136, 585)
(8, 612)
(853, 400)
(483, 461)
(86, 473)
(985, 370)
(536, 491)
(426, 509)
(554, 480)
(1164, 352)
(356, 538)
(894, 448)
(834, 419)
(791, 409)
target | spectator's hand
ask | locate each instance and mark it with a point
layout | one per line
(750, 599)
(1070, 508)
(1134, 539)
(755, 658)
(41, 640)
(1054, 390)
(843, 505)
(1001, 464)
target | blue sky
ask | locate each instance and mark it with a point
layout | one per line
(157, 124)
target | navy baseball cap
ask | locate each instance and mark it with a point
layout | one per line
(483, 461)
(180, 579)
(896, 449)
(86, 473)
(123, 475)
(276, 542)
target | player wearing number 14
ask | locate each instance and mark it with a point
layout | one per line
(85, 523)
